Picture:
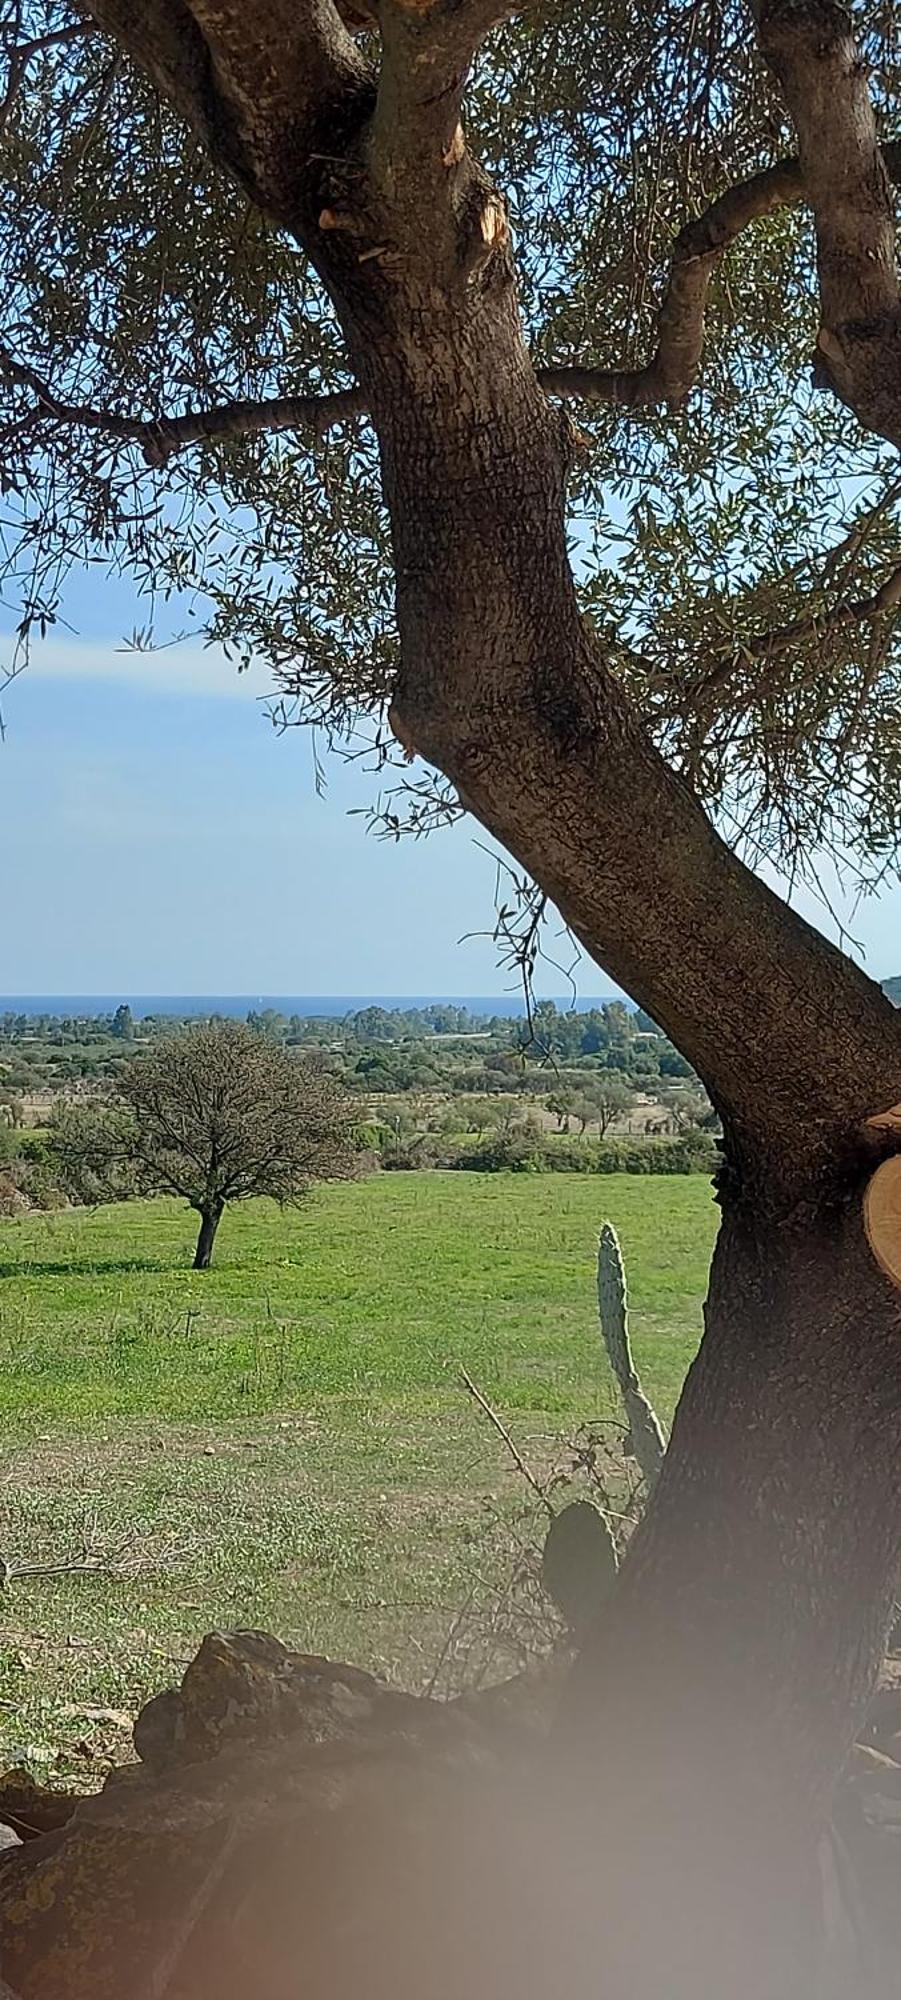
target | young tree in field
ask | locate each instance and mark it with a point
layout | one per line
(216, 1114)
(562, 1103)
(266, 327)
(686, 1107)
(609, 1098)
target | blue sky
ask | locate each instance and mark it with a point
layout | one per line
(161, 838)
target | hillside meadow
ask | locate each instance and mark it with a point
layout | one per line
(285, 1441)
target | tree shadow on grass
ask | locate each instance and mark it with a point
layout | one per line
(88, 1267)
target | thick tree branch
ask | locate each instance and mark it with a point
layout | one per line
(416, 152)
(503, 688)
(810, 46)
(262, 92)
(672, 370)
(256, 114)
(284, 82)
(164, 41)
(160, 437)
(667, 378)
(427, 47)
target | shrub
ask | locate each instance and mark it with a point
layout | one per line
(498, 1153)
(12, 1200)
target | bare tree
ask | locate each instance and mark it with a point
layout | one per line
(215, 1114)
(730, 678)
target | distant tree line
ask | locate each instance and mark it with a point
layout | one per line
(439, 1046)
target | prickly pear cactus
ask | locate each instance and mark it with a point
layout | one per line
(646, 1442)
(578, 1565)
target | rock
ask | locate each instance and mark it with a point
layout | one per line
(32, 1809)
(890, 1746)
(884, 1719)
(296, 1828)
(156, 1731)
(866, 1764)
(285, 1790)
(247, 1686)
(578, 1564)
(527, 1703)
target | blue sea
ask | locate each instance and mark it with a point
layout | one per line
(237, 1004)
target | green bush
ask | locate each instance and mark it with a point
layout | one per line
(39, 1186)
(495, 1153)
(34, 1148)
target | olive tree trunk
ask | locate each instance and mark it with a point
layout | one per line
(712, 1712)
(719, 1696)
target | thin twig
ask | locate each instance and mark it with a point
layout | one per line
(21, 56)
(475, 1392)
(124, 1562)
(453, 1629)
(766, 646)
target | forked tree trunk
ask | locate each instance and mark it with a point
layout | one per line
(210, 1219)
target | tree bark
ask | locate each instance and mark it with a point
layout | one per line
(210, 1219)
(719, 1694)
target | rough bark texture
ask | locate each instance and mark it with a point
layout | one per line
(812, 50)
(209, 1223)
(748, 1620)
(752, 1613)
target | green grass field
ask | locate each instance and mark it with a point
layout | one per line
(284, 1441)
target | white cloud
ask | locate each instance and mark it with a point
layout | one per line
(173, 670)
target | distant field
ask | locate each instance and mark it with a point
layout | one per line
(283, 1441)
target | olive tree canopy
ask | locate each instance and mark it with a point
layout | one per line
(181, 400)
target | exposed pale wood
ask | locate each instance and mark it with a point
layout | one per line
(882, 1217)
(886, 1121)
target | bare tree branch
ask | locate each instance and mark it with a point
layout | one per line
(160, 437)
(475, 1392)
(812, 51)
(672, 370)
